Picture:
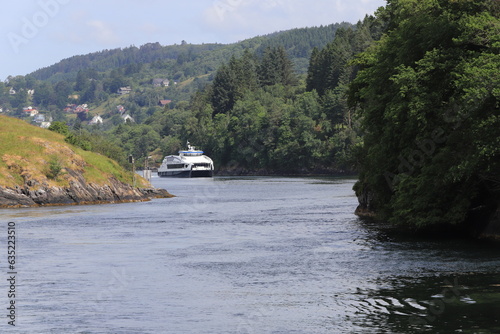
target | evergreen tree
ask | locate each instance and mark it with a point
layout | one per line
(313, 71)
(223, 90)
(276, 68)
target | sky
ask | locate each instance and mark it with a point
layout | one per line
(39, 33)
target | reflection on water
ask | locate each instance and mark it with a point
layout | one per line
(246, 255)
(39, 212)
(464, 303)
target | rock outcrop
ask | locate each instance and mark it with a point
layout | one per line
(34, 193)
(482, 222)
(366, 207)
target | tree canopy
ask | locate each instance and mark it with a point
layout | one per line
(428, 96)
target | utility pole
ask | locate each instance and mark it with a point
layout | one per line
(147, 172)
(132, 161)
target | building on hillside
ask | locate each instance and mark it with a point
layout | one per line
(121, 109)
(163, 103)
(40, 118)
(30, 111)
(81, 108)
(161, 82)
(96, 120)
(45, 125)
(12, 91)
(127, 118)
(124, 90)
(31, 92)
(76, 109)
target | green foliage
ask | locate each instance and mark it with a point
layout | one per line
(59, 127)
(276, 68)
(54, 168)
(428, 97)
(78, 141)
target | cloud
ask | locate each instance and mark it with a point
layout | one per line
(102, 32)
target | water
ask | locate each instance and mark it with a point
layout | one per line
(242, 255)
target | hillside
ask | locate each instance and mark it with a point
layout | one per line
(147, 101)
(191, 59)
(37, 167)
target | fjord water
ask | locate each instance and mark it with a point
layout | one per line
(243, 255)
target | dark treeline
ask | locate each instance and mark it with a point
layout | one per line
(200, 58)
(106, 60)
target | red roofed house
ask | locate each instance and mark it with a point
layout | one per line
(30, 110)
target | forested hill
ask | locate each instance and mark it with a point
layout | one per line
(193, 60)
(246, 104)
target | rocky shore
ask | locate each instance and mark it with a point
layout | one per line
(482, 222)
(33, 193)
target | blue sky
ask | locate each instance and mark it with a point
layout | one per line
(39, 33)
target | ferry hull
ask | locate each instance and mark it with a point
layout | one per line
(186, 173)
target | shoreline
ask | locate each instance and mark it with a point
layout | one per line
(33, 194)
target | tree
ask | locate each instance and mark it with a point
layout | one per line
(276, 68)
(62, 91)
(223, 90)
(44, 95)
(59, 127)
(428, 97)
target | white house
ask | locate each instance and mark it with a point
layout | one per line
(124, 90)
(161, 82)
(30, 110)
(40, 118)
(96, 120)
(45, 125)
(126, 118)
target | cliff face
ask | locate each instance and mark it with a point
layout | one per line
(34, 193)
(365, 207)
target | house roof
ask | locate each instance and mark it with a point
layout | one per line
(164, 102)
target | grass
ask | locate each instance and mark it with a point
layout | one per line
(28, 152)
(108, 106)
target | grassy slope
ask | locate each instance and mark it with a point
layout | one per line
(26, 152)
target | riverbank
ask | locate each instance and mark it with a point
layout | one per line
(34, 194)
(481, 222)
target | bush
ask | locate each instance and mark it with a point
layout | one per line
(55, 168)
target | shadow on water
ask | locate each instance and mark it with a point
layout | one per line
(447, 285)
(461, 303)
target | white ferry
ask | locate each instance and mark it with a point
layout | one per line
(190, 163)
